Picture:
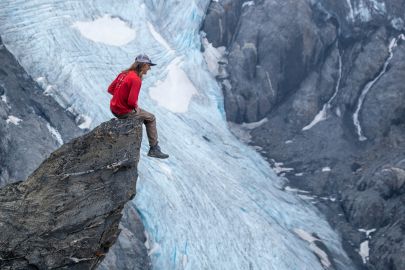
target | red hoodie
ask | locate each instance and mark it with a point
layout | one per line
(125, 90)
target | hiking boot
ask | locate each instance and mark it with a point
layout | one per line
(155, 152)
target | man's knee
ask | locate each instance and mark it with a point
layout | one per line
(147, 116)
(151, 118)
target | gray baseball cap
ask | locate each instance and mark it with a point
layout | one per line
(143, 58)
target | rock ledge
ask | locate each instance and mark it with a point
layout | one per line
(66, 214)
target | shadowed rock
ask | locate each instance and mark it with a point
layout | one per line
(66, 214)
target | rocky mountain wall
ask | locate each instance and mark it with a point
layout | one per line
(32, 124)
(325, 80)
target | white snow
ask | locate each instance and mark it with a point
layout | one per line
(318, 118)
(351, 12)
(277, 168)
(364, 251)
(55, 133)
(49, 89)
(253, 125)
(367, 232)
(85, 121)
(299, 174)
(362, 12)
(13, 120)
(40, 80)
(288, 141)
(319, 252)
(176, 91)
(326, 169)
(248, 3)
(107, 30)
(338, 112)
(242, 131)
(290, 189)
(369, 85)
(4, 98)
(322, 115)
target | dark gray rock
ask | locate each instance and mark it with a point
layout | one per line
(129, 252)
(273, 49)
(66, 214)
(287, 62)
(26, 143)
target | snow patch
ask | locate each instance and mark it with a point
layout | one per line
(290, 189)
(254, 125)
(55, 133)
(278, 169)
(176, 91)
(13, 120)
(85, 121)
(248, 3)
(364, 251)
(367, 232)
(323, 257)
(322, 115)
(369, 85)
(4, 98)
(49, 89)
(299, 174)
(326, 169)
(288, 142)
(107, 30)
(318, 118)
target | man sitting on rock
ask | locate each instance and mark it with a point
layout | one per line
(125, 90)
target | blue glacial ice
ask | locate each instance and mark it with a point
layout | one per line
(215, 203)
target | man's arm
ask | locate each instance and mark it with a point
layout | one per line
(134, 93)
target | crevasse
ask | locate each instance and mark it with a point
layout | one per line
(215, 203)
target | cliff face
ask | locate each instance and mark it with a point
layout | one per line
(325, 78)
(66, 214)
(30, 122)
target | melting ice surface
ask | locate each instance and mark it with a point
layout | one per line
(215, 203)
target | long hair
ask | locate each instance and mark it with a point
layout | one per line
(136, 67)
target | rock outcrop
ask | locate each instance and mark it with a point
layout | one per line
(66, 214)
(325, 80)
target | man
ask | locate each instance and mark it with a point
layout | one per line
(125, 90)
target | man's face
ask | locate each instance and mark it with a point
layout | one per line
(145, 69)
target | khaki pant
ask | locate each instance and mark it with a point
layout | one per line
(150, 123)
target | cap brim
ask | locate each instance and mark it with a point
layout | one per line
(152, 64)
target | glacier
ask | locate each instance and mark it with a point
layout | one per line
(215, 203)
